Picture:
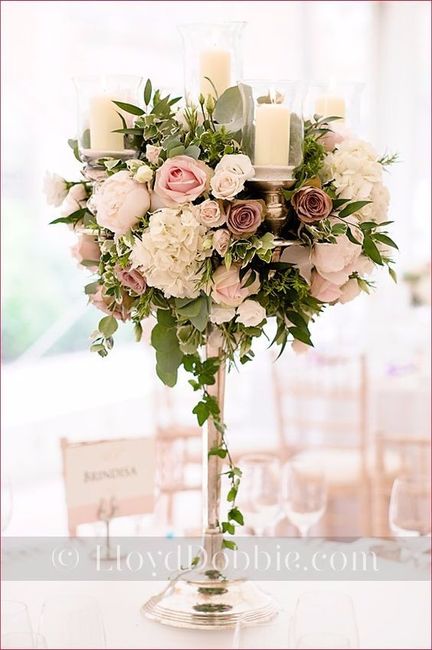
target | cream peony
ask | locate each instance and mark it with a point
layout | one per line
(171, 252)
(55, 189)
(250, 313)
(336, 262)
(120, 202)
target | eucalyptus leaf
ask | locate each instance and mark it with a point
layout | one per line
(229, 109)
(107, 326)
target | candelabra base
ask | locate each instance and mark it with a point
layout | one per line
(270, 182)
(210, 604)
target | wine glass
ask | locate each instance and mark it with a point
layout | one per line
(324, 619)
(410, 515)
(16, 628)
(72, 621)
(259, 490)
(410, 507)
(304, 495)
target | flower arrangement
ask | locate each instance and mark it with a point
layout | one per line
(178, 234)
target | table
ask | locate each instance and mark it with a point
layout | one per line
(390, 615)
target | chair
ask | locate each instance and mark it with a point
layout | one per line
(395, 456)
(321, 409)
(178, 449)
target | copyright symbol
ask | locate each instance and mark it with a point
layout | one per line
(65, 558)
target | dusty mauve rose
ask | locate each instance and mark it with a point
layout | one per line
(181, 179)
(108, 305)
(87, 250)
(229, 289)
(210, 214)
(221, 241)
(311, 204)
(245, 217)
(131, 279)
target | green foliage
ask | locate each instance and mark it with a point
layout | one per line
(168, 354)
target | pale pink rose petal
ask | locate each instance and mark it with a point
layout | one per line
(350, 290)
(300, 256)
(323, 290)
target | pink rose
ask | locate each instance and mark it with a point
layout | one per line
(221, 241)
(245, 217)
(87, 250)
(131, 279)
(323, 290)
(331, 139)
(311, 204)
(108, 305)
(181, 179)
(229, 289)
(153, 153)
(210, 214)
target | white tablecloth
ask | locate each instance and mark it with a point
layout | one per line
(390, 615)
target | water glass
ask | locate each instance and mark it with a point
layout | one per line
(258, 496)
(331, 616)
(304, 495)
(72, 621)
(16, 628)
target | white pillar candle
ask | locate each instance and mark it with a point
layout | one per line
(216, 65)
(330, 106)
(103, 119)
(272, 134)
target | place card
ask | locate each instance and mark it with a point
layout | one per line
(108, 478)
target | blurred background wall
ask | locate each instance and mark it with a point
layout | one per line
(52, 386)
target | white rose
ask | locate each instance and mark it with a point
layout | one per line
(350, 290)
(226, 184)
(55, 189)
(237, 163)
(143, 174)
(153, 153)
(250, 313)
(221, 314)
(74, 200)
(120, 202)
(210, 214)
(171, 252)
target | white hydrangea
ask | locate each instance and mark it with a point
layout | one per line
(357, 176)
(171, 252)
